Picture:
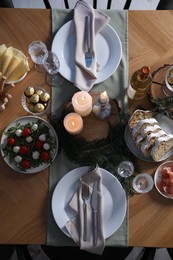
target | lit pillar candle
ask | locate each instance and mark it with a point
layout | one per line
(103, 97)
(73, 123)
(82, 103)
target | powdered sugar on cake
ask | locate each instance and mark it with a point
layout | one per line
(148, 135)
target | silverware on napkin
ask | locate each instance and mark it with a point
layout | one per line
(88, 35)
(94, 205)
(85, 197)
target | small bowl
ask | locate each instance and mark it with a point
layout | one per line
(26, 103)
(24, 59)
(158, 178)
(168, 86)
(143, 183)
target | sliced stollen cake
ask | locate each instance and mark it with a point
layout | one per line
(161, 146)
(142, 124)
(148, 135)
(150, 141)
(146, 132)
(137, 116)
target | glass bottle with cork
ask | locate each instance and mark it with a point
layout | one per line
(140, 83)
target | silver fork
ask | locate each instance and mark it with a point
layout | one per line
(85, 197)
(88, 28)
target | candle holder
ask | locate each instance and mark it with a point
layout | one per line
(102, 108)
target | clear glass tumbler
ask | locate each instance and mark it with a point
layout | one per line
(142, 183)
(125, 169)
(37, 51)
(51, 64)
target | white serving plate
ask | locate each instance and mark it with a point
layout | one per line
(114, 200)
(108, 51)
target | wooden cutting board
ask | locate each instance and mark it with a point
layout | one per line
(94, 128)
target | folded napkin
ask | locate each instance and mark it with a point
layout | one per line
(76, 226)
(86, 77)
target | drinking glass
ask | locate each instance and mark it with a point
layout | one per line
(125, 169)
(51, 64)
(142, 183)
(37, 51)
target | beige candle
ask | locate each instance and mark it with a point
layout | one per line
(73, 123)
(82, 103)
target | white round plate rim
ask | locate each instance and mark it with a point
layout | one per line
(165, 123)
(60, 199)
(114, 59)
(24, 120)
(157, 177)
(16, 81)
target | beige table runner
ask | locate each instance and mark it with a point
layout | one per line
(115, 87)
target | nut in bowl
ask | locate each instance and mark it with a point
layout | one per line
(36, 100)
(163, 179)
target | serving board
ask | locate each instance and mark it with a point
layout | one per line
(94, 128)
(156, 90)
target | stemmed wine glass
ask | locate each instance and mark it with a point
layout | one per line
(51, 64)
(125, 169)
(37, 50)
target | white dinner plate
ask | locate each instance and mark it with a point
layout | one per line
(165, 123)
(108, 51)
(114, 199)
(23, 121)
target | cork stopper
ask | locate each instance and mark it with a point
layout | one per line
(145, 71)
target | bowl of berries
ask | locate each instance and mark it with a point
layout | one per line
(29, 144)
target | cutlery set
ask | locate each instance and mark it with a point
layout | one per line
(88, 35)
(94, 206)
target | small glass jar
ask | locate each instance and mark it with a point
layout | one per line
(142, 183)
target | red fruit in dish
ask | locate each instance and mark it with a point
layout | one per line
(39, 144)
(23, 150)
(26, 132)
(25, 164)
(11, 141)
(44, 156)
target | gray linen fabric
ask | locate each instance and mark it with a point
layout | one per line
(115, 86)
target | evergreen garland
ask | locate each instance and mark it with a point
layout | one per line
(107, 152)
(163, 106)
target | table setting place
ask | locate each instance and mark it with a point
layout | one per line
(110, 76)
(81, 130)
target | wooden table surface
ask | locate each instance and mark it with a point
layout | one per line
(23, 198)
(150, 43)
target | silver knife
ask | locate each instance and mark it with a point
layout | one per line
(94, 205)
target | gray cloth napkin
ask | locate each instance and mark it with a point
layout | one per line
(76, 227)
(85, 77)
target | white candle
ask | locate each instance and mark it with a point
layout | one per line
(82, 103)
(73, 123)
(103, 97)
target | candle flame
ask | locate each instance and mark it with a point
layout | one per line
(73, 124)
